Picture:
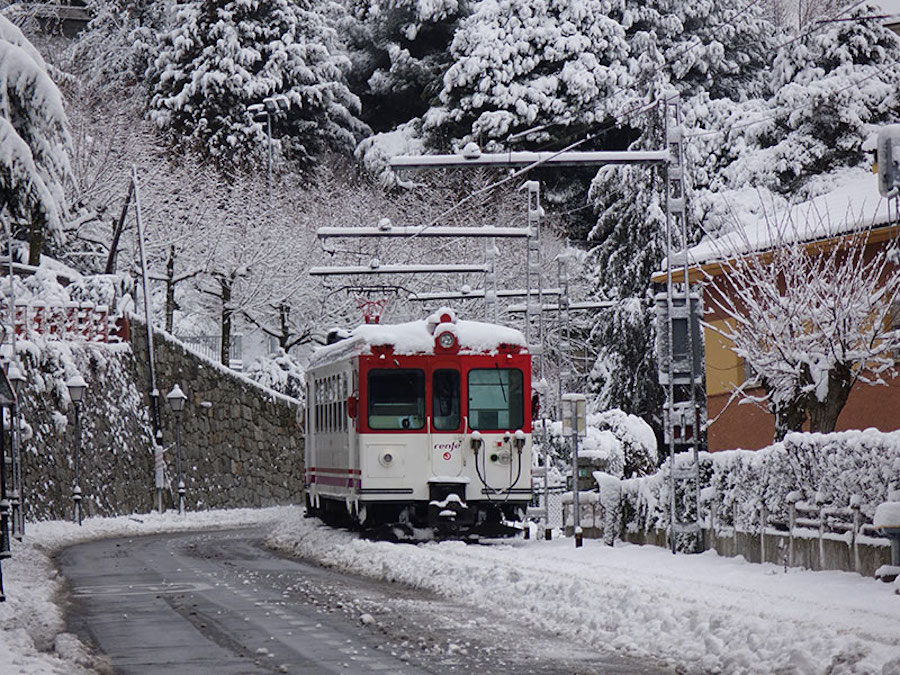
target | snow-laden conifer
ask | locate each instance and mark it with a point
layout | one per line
(519, 64)
(400, 51)
(223, 56)
(119, 42)
(828, 90)
(34, 162)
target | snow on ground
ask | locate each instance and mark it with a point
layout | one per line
(702, 614)
(32, 641)
(699, 614)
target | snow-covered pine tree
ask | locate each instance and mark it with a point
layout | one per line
(630, 230)
(223, 55)
(34, 161)
(702, 51)
(829, 89)
(520, 64)
(400, 51)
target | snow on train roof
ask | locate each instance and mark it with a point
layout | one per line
(417, 337)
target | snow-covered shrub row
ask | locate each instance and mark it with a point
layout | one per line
(617, 443)
(833, 467)
(279, 372)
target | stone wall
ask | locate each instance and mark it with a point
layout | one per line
(115, 458)
(241, 445)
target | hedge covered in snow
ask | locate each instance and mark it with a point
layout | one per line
(616, 442)
(833, 467)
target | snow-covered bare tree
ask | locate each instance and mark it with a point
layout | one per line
(118, 44)
(811, 321)
(222, 56)
(34, 142)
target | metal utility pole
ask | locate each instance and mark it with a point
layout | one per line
(154, 392)
(681, 335)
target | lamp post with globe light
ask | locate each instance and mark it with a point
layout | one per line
(176, 399)
(76, 386)
(17, 496)
(277, 103)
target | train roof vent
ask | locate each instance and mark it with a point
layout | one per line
(336, 335)
(443, 315)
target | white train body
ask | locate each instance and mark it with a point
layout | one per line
(426, 424)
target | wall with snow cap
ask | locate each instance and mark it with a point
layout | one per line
(242, 445)
(115, 458)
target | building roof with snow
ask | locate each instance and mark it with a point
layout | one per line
(849, 202)
(891, 10)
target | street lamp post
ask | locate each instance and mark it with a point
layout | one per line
(17, 380)
(176, 399)
(7, 399)
(574, 413)
(76, 385)
(269, 106)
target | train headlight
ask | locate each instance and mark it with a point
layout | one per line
(446, 340)
(386, 458)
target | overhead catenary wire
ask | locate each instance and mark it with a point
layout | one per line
(629, 113)
(618, 120)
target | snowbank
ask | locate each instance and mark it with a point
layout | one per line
(694, 613)
(699, 614)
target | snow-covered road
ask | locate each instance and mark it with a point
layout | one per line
(698, 614)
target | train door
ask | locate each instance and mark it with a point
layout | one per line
(447, 452)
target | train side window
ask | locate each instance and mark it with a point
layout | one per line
(344, 395)
(445, 400)
(496, 398)
(317, 407)
(396, 398)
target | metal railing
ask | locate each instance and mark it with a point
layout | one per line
(210, 346)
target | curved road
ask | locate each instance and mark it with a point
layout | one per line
(219, 602)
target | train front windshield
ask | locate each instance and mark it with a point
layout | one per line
(396, 398)
(496, 399)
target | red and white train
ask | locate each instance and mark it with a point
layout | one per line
(425, 424)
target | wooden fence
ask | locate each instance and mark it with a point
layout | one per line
(71, 321)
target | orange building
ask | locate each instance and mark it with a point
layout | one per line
(856, 206)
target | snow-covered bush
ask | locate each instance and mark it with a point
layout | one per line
(615, 443)
(280, 372)
(836, 466)
(639, 445)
